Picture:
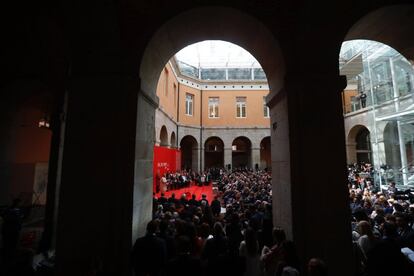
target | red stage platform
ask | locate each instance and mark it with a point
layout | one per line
(189, 191)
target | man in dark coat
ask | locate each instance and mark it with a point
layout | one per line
(149, 253)
(215, 206)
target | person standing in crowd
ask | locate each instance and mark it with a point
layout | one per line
(366, 239)
(204, 200)
(249, 249)
(271, 257)
(149, 253)
(317, 267)
(184, 264)
(215, 206)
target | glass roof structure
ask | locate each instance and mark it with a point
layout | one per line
(216, 60)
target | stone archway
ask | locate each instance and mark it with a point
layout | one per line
(359, 145)
(168, 40)
(163, 137)
(372, 26)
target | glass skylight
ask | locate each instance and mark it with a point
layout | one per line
(216, 54)
(219, 60)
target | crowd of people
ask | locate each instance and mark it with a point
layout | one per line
(231, 235)
(382, 224)
(184, 178)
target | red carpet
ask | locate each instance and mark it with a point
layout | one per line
(189, 191)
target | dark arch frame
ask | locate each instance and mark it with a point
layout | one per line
(189, 159)
(173, 36)
(164, 136)
(241, 157)
(213, 152)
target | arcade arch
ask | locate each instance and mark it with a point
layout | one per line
(359, 145)
(213, 153)
(265, 153)
(173, 142)
(163, 137)
(165, 43)
(189, 153)
(241, 153)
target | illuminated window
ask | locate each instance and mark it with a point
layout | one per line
(213, 107)
(189, 98)
(241, 107)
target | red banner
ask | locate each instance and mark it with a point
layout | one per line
(165, 160)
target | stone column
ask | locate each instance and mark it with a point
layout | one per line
(195, 159)
(96, 191)
(201, 159)
(228, 157)
(307, 132)
(144, 152)
(255, 157)
(351, 155)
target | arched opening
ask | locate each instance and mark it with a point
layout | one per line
(241, 153)
(363, 146)
(359, 145)
(164, 44)
(163, 137)
(213, 153)
(265, 154)
(189, 153)
(173, 142)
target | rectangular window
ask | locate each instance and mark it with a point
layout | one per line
(213, 107)
(266, 112)
(189, 104)
(241, 107)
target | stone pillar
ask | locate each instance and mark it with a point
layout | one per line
(195, 159)
(57, 125)
(201, 159)
(96, 188)
(351, 155)
(255, 157)
(228, 157)
(143, 178)
(308, 131)
(378, 154)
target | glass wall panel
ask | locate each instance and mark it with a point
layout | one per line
(213, 74)
(239, 73)
(380, 92)
(259, 74)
